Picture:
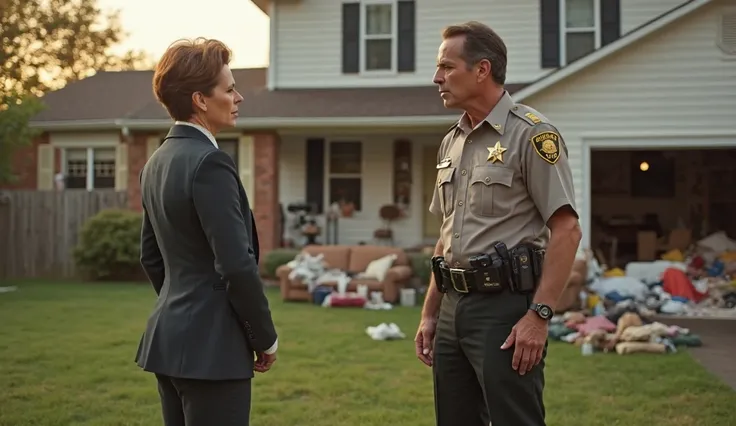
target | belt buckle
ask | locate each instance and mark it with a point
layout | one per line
(454, 273)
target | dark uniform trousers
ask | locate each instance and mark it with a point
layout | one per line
(474, 382)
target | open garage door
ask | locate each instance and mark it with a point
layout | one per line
(645, 202)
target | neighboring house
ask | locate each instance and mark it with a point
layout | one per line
(349, 112)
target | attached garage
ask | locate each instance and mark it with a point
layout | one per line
(645, 199)
(663, 99)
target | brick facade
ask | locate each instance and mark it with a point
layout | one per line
(266, 183)
(137, 157)
(25, 165)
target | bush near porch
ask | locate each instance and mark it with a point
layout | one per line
(68, 351)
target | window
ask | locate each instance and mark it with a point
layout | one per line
(581, 29)
(80, 161)
(378, 35)
(344, 173)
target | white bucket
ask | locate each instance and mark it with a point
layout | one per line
(408, 297)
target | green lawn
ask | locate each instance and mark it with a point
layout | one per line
(67, 359)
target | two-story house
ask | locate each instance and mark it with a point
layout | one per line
(347, 112)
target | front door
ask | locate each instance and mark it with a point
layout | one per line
(429, 173)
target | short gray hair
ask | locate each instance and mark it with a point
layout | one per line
(481, 42)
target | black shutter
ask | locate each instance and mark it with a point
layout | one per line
(550, 19)
(350, 38)
(610, 21)
(316, 173)
(407, 39)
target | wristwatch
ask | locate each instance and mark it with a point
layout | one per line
(544, 311)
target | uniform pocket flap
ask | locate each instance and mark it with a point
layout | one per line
(445, 175)
(489, 175)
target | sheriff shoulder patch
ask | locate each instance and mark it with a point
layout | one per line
(547, 146)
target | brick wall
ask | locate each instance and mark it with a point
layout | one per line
(266, 197)
(137, 157)
(25, 165)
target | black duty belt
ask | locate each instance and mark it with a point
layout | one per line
(517, 270)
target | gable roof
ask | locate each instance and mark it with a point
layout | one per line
(113, 100)
(111, 96)
(624, 41)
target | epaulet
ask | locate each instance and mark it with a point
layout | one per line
(528, 114)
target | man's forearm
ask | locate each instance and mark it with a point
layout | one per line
(557, 266)
(434, 297)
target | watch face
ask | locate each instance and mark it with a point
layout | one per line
(545, 312)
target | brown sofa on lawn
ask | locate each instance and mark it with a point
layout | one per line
(353, 260)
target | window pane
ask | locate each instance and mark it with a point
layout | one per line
(346, 190)
(76, 168)
(231, 147)
(104, 164)
(579, 13)
(579, 45)
(345, 157)
(378, 19)
(378, 54)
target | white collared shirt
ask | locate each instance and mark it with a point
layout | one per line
(201, 129)
(212, 139)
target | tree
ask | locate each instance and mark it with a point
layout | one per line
(44, 45)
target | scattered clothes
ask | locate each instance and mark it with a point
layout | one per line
(640, 347)
(385, 332)
(630, 334)
(677, 284)
(592, 324)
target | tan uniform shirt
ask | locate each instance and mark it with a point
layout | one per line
(500, 181)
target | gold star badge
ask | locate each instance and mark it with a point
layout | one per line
(495, 153)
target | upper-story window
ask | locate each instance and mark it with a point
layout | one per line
(571, 29)
(581, 28)
(378, 36)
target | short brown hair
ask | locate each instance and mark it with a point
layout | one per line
(481, 42)
(186, 67)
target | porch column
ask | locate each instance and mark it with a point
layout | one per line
(266, 186)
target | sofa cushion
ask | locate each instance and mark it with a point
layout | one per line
(362, 256)
(378, 268)
(335, 256)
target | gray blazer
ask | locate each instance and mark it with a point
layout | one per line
(199, 249)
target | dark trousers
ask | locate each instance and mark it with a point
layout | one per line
(474, 382)
(188, 402)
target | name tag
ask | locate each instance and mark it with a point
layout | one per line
(445, 163)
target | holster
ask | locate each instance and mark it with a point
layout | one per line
(437, 262)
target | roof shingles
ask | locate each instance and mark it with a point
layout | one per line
(129, 95)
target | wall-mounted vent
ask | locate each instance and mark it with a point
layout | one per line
(727, 32)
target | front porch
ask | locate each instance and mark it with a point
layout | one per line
(368, 168)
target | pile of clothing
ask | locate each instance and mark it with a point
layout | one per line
(628, 329)
(701, 282)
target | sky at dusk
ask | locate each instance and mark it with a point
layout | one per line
(154, 24)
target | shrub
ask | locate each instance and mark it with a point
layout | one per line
(109, 246)
(421, 264)
(276, 258)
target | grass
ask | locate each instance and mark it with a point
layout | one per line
(67, 354)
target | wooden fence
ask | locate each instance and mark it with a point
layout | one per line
(39, 229)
